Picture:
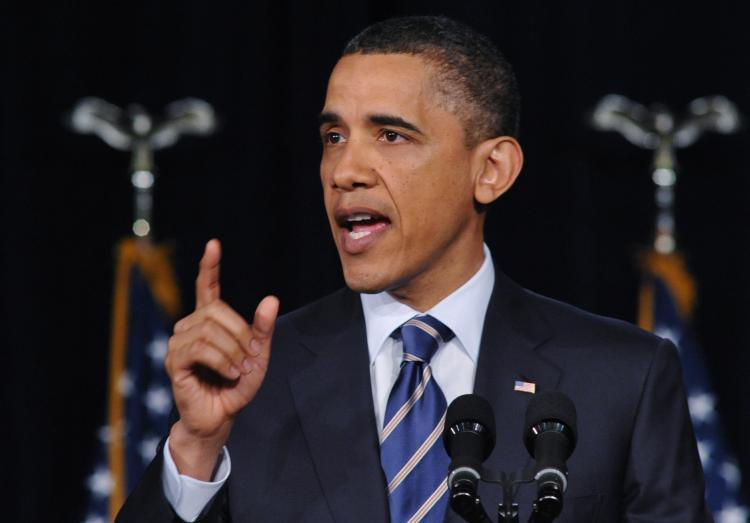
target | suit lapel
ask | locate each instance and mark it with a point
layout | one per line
(513, 333)
(333, 398)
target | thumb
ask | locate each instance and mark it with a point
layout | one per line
(264, 321)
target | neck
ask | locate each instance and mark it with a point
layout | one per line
(434, 285)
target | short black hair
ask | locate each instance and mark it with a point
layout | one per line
(476, 79)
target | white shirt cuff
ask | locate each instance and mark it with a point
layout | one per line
(189, 496)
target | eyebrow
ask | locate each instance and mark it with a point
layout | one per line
(378, 119)
(328, 117)
(395, 121)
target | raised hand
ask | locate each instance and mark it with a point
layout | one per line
(216, 362)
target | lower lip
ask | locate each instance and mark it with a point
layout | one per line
(359, 245)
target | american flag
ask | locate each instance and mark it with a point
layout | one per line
(524, 386)
(140, 400)
(667, 296)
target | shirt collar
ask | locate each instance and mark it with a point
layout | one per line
(462, 311)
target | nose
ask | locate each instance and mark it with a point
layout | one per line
(352, 168)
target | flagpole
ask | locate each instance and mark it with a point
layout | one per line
(668, 291)
(659, 130)
(145, 301)
(135, 130)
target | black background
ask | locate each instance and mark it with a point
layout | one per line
(570, 228)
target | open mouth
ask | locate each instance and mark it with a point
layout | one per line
(362, 224)
(358, 225)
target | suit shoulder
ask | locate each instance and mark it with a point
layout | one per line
(323, 315)
(576, 329)
(610, 356)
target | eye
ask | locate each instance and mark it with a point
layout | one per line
(332, 138)
(392, 136)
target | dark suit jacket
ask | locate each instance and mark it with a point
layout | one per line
(306, 448)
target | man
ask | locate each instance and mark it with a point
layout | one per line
(418, 139)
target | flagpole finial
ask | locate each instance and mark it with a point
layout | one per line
(657, 129)
(136, 131)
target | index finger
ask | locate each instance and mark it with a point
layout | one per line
(207, 287)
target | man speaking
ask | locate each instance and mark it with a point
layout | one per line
(334, 412)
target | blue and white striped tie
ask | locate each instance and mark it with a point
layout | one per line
(414, 460)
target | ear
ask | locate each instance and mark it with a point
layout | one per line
(498, 163)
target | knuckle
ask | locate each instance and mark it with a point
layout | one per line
(211, 309)
(193, 348)
(206, 330)
(183, 324)
(219, 307)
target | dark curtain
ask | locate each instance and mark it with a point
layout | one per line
(570, 229)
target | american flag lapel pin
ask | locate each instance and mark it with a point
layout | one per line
(524, 386)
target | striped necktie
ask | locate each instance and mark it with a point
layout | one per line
(414, 461)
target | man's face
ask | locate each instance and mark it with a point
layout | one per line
(396, 177)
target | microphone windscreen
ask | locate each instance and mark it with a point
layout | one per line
(551, 405)
(470, 407)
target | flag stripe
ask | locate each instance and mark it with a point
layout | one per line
(116, 449)
(646, 307)
(667, 297)
(144, 303)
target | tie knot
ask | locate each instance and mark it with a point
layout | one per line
(422, 336)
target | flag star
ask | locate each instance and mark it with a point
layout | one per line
(669, 333)
(125, 384)
(158, 400)
(101, 482)
(730, 473)
(702, 406)
(104, 434)
(147, 448)
(118, 429)
(157, 349)
(732, 514)
(704, 450)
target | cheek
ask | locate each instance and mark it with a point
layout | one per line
(324, 169)
(437, 186)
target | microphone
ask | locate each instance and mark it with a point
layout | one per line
(469, 437)
(550, 437)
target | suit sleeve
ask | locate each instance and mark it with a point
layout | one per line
(664, 477)
(148, 504)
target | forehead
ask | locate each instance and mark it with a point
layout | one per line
(362, 84)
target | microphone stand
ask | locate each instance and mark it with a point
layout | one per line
(507, 511)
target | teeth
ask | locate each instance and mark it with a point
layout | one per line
(359, 217)
(357, 235)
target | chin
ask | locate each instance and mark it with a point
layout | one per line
(364, 286)
(365, 282)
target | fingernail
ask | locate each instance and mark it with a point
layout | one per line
(247, 365)
(255, 347)
(234, 372)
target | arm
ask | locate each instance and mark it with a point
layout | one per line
(216, 362)
(188, 496)
(664, 478)
(149, 503)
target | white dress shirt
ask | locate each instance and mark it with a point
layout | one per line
(453, 368)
